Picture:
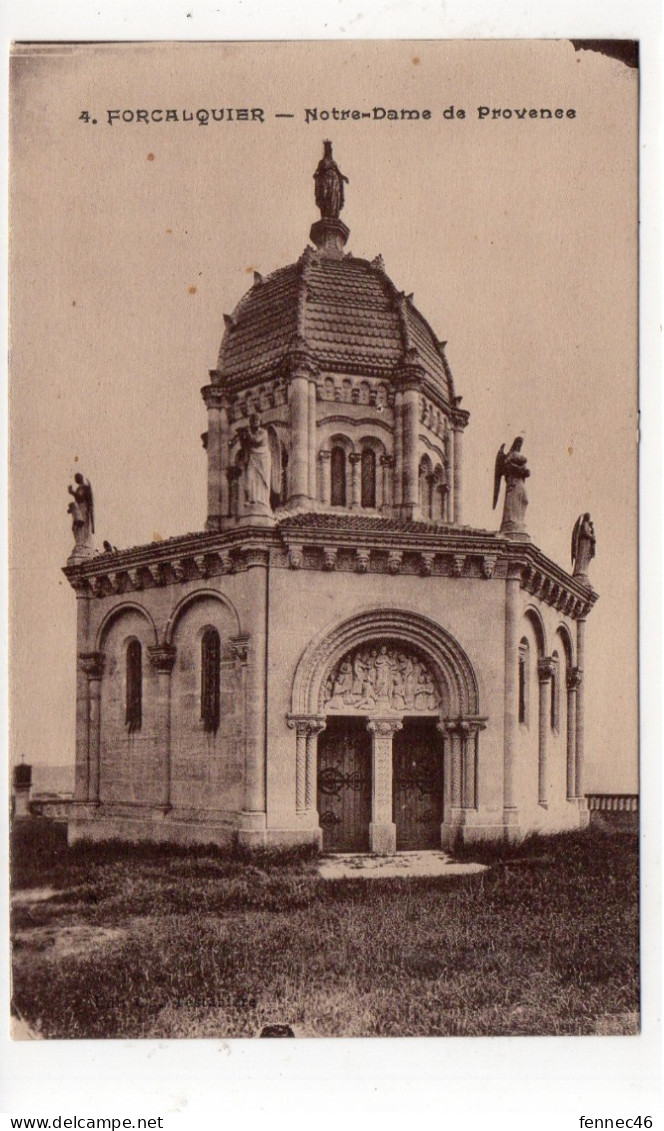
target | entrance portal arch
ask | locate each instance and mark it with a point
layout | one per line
(358, 684)
(453, 670)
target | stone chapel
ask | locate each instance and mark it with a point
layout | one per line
(337, 658)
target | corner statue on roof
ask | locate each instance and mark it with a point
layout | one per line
(339, 657)
(82, 514)
(513, 467)
(583, 545)
(329, 185)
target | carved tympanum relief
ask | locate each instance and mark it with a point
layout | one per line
(381, 676)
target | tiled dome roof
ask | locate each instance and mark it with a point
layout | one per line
(346, 311)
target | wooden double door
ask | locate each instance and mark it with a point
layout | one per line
(344, 785)
(417, 784)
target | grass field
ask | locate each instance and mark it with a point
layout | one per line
(122, 941)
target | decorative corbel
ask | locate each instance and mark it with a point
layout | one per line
(458, 562)
(394, 561)
(362, 559)
(329, 557)
(202, 565)
(426, 564)
(295, 556)
(118, 582)
(489, 565)
(160, 574)
(135, 578)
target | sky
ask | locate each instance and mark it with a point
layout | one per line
(129, 242)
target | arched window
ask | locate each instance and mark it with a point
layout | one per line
(134, 686)
(524, 680)
(338, 477)
(555, 695)
(368, 478)
(210, 678)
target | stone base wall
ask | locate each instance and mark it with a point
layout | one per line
(152, 828)
(288, 838)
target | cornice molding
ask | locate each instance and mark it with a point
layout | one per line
(326, 543)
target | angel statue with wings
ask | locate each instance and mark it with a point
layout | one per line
(82, 513)
(512, 466)
(259, 459)
(583, 545)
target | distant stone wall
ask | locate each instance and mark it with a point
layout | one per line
(55, 808)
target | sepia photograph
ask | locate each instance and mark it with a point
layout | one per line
(323, 526)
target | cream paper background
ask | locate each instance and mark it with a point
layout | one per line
(129, 241)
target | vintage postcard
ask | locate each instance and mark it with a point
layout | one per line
(323, 531)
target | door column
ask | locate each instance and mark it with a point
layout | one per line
(452, 767)
(92, 664)
(162, 658)
(573, 682)
(307, 728)
(461, 769)
(544, 674)
(382, 830)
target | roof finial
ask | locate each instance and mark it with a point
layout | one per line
(329, 233)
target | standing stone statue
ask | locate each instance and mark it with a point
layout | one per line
(255, 459)
(583, 545)
(82, 514)
(329, 185)
(513, 467)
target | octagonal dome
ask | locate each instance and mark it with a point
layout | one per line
(347, 313)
